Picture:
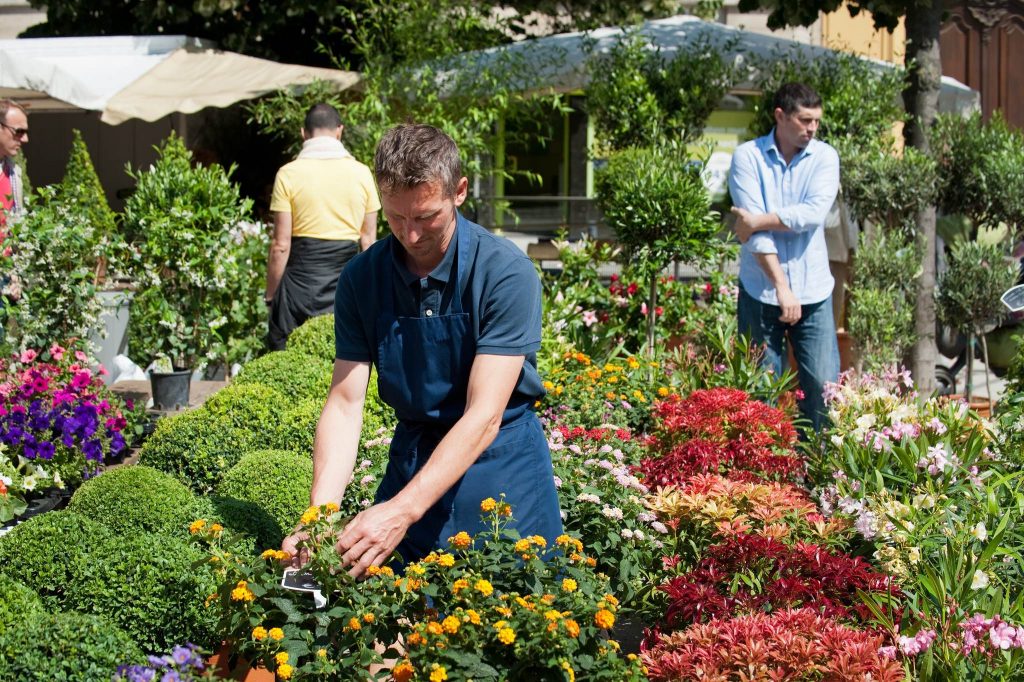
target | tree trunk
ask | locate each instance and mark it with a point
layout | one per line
(922, 102)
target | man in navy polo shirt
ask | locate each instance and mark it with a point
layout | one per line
(450, 315)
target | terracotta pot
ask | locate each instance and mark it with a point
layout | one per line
(979, 403)
(236, 667)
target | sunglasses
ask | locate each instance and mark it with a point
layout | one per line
(17, 132)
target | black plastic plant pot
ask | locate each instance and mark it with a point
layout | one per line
(170, 389)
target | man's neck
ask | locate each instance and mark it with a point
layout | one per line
(788, 152)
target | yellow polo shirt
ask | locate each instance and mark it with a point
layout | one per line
(326, 197)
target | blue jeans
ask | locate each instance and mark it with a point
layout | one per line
(814, 345)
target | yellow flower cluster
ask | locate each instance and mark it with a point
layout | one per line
(385, 571)
(242, 592)
(524, 545)
(276, 554)
(199, 525)
(440, 558)
(460, 540)
(490, 504)
(403, 671)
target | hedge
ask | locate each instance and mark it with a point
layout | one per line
(295, 375)
(314, 337)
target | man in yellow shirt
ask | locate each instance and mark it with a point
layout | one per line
(325, 207)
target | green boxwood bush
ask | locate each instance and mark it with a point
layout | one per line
(274, 482)
(17, 603)
(295, 375)
(314, 337)
(197, 447)
(65, 647)
(148, 584)
(254, 407)
(298, 427)
(136, 499)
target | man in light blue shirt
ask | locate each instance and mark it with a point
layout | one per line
(782, 187)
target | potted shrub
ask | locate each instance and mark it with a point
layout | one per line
(885, 190)
(196, 269)
(968, 292)
(656, 201)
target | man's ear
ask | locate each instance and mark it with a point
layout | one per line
(778, 114)
(302, 131)
(341, 131)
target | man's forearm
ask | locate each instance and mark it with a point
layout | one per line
(334, 451)
(771, 266)
(277, 260)
(765, 222)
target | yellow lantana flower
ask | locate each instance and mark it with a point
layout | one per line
(281, 658)
(284, 671)
(276, 634)
(484, 587)
(460, 540)
(506, 635)
(604, 619)
(259, 633)
(569, 585)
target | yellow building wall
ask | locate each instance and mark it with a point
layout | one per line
(857, 34)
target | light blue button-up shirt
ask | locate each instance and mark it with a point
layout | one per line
(800, 194)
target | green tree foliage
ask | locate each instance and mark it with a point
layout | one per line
(655, 200)
(887, 188)
(861, 101)
(981, 168)
(413, 69)
(288, 31)
(967, 298)
(638, 94)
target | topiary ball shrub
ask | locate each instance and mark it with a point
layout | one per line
(296, 376)
(253, 407)
(136, 499)
(297, 429)
(65, 647)
(277, 483)
(314, 337)
(17, 603)
(197, 447)
(152, 586)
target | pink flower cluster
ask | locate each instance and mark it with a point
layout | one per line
(999, 635)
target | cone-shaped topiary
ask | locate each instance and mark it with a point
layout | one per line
(81, 189)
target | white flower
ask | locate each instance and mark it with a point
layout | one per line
(865, 421)
(837, 440)
(29, 483)
(980, 580)
(6, 480)
(914, 555)
(980, 532)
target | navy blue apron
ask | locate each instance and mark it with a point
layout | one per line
(423, 373)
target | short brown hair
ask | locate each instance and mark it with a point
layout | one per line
(8, 104)
(791, 96)
(413, 154)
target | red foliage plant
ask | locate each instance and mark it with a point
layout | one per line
(719, 430)
(787, 645)
(781, 577)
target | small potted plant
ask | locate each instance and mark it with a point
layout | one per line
(195, 268)
(968, 293)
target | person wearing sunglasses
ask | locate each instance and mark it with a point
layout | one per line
(13, 134)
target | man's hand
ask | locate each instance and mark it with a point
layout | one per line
(745, 224)
(290, 545)
(790, 305)
(371, 537)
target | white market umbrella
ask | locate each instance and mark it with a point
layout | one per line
(143, 77)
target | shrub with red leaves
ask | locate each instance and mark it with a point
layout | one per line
(779, 576)
(788, 645)
(719, 430)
